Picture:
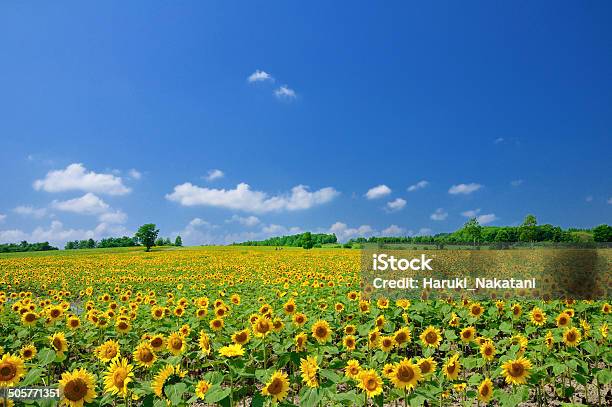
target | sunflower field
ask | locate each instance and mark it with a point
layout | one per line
(239, 326)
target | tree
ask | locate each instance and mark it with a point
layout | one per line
(307, 242)
(146, 235)
(178, 241)
(602, 233)
(528, 229)
(473, 229)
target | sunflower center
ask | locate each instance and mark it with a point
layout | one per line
(451, 368)
(517, 369)
(425, 367)
(57, 343)
(119, 378)
(484, 391)
(146, 355)
(30, 317)
(176, 343)
(571, 336)
(157, 342)
(431, 337)
(320, 332)
(467, 334)
(400, 337)
(75, 389)
(7, 372)
(275, 387)
(405, 373)
(371, 384)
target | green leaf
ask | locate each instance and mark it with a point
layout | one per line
(604, 376)
(505, 327)
(258, 400)
(32, 377)
(45, 356)
(331, 375)
(310, 397)
(216, 394)
(175, 392)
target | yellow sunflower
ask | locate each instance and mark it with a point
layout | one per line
(241, 337)
(176, 343)
(301, 340)
(144, 355)
(571, 337)
(77, 388)
(28, 352)
(277, 387)
(202, 388)
(231, 351)
(468, 334)
(160, 379)
(204, 342)
(487, 350)
(59, 343)
(11, 370)
(537, 316)
(427, 366)
(216, 324)
(157, 342)
(309, 368)
(516, 371)
(485, 390)
(349, 342)
(406, 375)
(107, 351)
(321, 331)
(262, 327)
(431, 337)
(352, 369)
(118, 376)
(402, 336)
(452, 367)
(370, 382)
(386, 343)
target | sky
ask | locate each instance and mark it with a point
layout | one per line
(228, 121)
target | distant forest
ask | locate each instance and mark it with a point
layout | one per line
(25, 247)
(471, 233)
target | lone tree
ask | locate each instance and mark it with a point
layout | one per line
(178, 241)
(147, 234)
(528, 229)
(473, 229)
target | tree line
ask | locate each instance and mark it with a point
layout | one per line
(25, 247)
(306, 240)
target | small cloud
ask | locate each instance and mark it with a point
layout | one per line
(609, 201)
(378, 192)
(488, 218)
(116, 217)
(344, 233)
(246, 221)
(393, 230)
(2, 217)
(28, 210)
(439, 214)
(516, 182)
(88, 204)
(419, 185)
(471, 213)
(135, 174)
(589, 198)
(464, 189)
(214, 174)
(260, 76)
(499, 140)
(76, 177)
(396, 205)
(285, 93)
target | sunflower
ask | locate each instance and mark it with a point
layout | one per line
(537, 316)
(563, 320)
(144, 355)
(29, 318)
(517, 310)
(454, 320)
(402, 336)
(452, 367)
(370, 382)
(352, 369)
(571, 337)
(201, 388)
(516, 371)
(157, 342)
(468, 334)
(241, 337)
(349, 342)
(277, 387)
(476, 309)
(59, 343)
(77, 387)
(427, 366)
(123, 326)
(406, 375)
(262, 327)
(606, 308)
(431, 337)
(520, 340)
(231, 351)
(373, 338)
(603, 331)
(387, 370)
(27, 352)
(289, 307)
(309, 368)
(386, 343)
(549, 340)
(73, 322)
(176, 343)
(11, 370)
(301, 340)
(487, 350)
(216, 324)
(160, 379)
(118, 376)
(321, 331)
(485, 390)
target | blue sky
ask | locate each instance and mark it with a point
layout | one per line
(114, 114)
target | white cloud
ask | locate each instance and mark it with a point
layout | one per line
(378, 192)
(393, 230)
(419, 185)
(28, 210)
(486, 218)
(396, 205)
(464, 188)
(344, 233)
(245, 199)
(213, 175)
(76, 177)
(2, 217)
(88, 204)
(516, 182)
(610, 201)
(439, 214)
(246, 221)
(279, 230)
(498, 140)
(116, 217)
(286, 93)
(260, 76)
(589, 198)
(471, 213)
(135, 174)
